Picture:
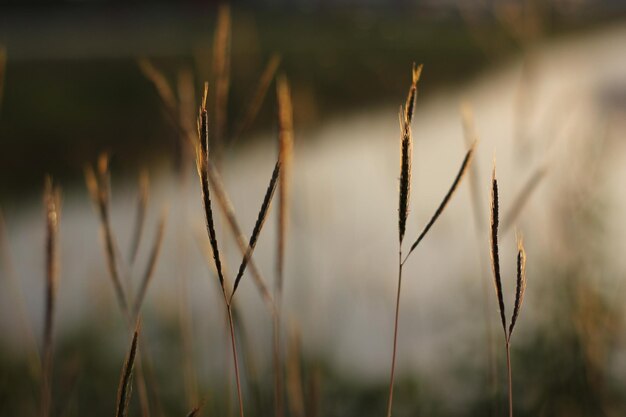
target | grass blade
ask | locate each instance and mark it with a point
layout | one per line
(124, 390)
(267, 200)
(467, 160)
(150, 267)
(140, 218)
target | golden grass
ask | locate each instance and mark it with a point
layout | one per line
(520, 282)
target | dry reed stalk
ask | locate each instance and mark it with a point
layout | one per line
(98, 186)
(216, 183)
(254, 105)
(221, 75)
(294, 376)
(470, 136)
(150, 267)
(406, 116)
(202, 161)
(52, 199)
(159, 81)
(258, 226)
(124, 390)
(140, 217)
(520, 282)
(522, 197)
(467, 160)
(285, 156)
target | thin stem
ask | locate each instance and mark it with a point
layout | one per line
(508, 367)
(234, 346)
(395, 336)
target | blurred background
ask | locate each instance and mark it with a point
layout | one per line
(542, 86)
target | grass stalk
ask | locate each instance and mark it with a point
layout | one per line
(236, 361)
(52, 202)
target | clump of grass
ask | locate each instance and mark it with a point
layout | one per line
(520, 281)
(203, 162)
(52, 202)
(406, 145)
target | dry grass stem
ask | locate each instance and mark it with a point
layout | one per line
(285, 156)
(258, 226)
(202, 160)
(467, 160)
(126, 379)
(522, 197)
(150, 267)
(226, 206)
(52, 199)
(98, 186)
(254, 104)
(160, 83)
(221, 75)
(140, 217)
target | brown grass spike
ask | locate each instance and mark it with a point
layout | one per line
(126, 379)
(467, 160)
(520, 287)
(202, 160)
(267, 200)
(495, 257)
(410, 100)
(406, 151)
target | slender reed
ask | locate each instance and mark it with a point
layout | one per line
(406, 144)
(221, 76)
(52, 199)
(285, 156)
(520, 282)
(254, 104)
(522, 197)
(125, 386)
(140, 217)
(202, 164)
(150, 267)
(470, 136)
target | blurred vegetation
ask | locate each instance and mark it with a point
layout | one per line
(82, 92)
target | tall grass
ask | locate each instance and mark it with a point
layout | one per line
(520, 282)
(203, 161)
(406, 145)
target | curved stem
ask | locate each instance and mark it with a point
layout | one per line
(234, 345)
(395, 336)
